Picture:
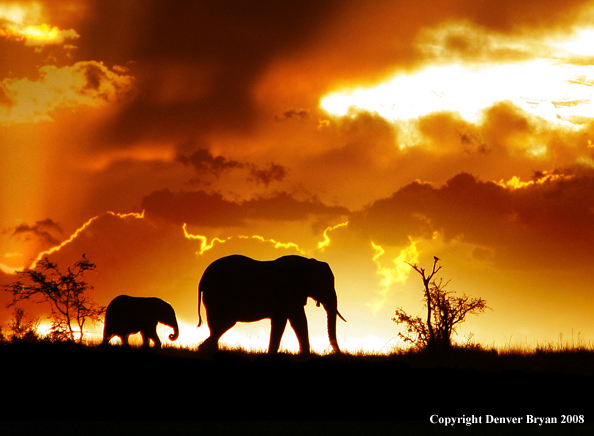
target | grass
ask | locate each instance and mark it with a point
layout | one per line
(571, 356)
(255, 386)
(558, 357)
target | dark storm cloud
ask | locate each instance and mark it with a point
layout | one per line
(196, 61)
(94, 76)
(204, 162)
(302, 114)
(212, 210)
(198, 207)
(284, 207)
(274, 173)
(40, 230)
(545, 221)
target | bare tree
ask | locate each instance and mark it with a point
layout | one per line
(444, 312)
(66, 293)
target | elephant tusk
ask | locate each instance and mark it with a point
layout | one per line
(340, 316)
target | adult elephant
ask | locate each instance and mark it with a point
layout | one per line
(236, 288)
(127, 315)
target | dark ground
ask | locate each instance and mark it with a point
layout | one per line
(286, 395)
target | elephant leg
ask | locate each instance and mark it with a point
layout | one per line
(298, 321)
(106, 339)
(145, 340)
(217, 329)
(125, 342)
(149, 334)
(156, 340)
(277, 328)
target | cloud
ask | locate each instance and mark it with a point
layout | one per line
(39, 35)
(204, 162)
(82, 84)
(124, 248)
(24, 22)
(197, 62)
(41, 230)
(212, 210)
(465, 41)
(196, 208)
(543, 223)
(274, 173)
(222, 68)
(302, 114)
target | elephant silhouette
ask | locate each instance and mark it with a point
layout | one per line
(240, 289)
(127, 315)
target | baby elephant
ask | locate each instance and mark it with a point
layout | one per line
(127, 315)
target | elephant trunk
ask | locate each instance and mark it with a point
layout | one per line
(332, 313)
(175, 334)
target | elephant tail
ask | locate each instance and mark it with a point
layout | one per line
(199, 301)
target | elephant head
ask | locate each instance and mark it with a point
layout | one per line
(314, 279)
(323, 292)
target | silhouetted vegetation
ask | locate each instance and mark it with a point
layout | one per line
(444, 312)
(66, 293)
(23, 329)
(177, 383)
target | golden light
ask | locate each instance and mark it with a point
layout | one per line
(398, 272)
(44, 329)
(516, 183)
(544, 88)
(205, 246)
(19, 13)
(579, 44)
(326, 242)
(9, 269)
(557, 89)
(22, 22)
(42, 32)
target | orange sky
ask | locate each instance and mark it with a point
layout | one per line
(157, 137)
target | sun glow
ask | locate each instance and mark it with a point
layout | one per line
(554, 89)
(17, 14)
(541, 87)
(579, 44)
(19, 21)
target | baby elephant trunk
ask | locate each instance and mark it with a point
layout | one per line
(175, 334)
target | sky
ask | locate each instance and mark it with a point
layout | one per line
(156, 137)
